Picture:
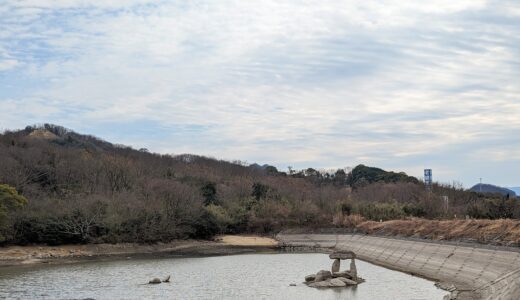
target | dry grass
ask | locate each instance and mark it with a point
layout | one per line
(498, 232)
(43, 134)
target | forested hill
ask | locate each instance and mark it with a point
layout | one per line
(363, 175)
(82, 189)
(492, 189)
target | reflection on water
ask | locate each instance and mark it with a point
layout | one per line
(252, 276)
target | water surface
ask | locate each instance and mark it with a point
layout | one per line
(251, 276)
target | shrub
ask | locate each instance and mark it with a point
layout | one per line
(220, 216)
(381, 211)
(9, 201)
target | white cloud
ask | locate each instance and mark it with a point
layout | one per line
(6, 64)
(295, 82)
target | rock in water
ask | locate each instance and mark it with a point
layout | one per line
(342, 255)
(335, 266)
(154, 281)
(347, 281)
(310, 277)
(353, 269)
(322, 275)
(335, 278)
(320, 284)
(336, 282)
(345, 274)
(167, 279)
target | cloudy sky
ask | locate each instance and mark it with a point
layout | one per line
(401, 84)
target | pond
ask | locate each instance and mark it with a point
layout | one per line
(246, 276)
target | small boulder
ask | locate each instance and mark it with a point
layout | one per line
(310, 277)
(336, 282)
(167, 279)
(347, 281)
(345, 274)
(320, 284)
(154, 281)
(322, 275)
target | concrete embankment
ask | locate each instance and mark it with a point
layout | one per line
(467, 271)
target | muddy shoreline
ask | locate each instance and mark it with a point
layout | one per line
(42, 254)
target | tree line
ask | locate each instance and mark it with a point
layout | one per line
(58, 186)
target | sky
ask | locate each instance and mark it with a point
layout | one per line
(402, 85)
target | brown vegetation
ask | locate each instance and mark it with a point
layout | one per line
(81, 189)
(504, 232)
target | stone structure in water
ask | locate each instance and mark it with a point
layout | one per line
(334, 277)
(157, 280)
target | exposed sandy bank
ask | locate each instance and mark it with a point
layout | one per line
(251, 240)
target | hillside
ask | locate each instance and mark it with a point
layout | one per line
(492, 189)
(81, 189)
(363, 175)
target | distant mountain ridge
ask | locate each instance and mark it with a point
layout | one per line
(257, 166)
(515, 189)
(492, 189)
